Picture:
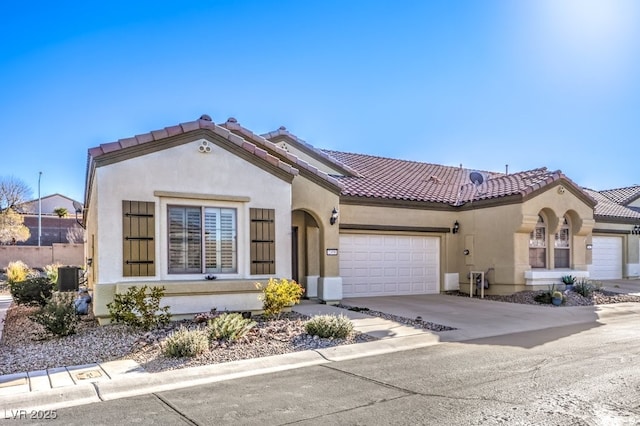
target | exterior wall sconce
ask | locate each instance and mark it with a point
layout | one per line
(456, 227)
(334, 216)
(78, 208)
(636, 230)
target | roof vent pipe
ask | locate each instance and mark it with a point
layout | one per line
(506, 169)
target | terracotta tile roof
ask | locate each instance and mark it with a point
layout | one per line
(203, 123)
(606, 207)
(282, 131)
(233, 126)
(623, 195)
(414, 181)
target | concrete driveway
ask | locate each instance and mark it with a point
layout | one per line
(622, 286)
(478, 318)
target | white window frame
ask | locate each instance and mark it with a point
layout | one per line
(224, 242)
(562, 242)
(538, 242)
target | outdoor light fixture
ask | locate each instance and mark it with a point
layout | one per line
(456, 227)
(78, 208)
(636, 230)
(334, 216)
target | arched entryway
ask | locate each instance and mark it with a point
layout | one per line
(305, 253)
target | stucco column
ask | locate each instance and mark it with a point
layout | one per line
(330, 282)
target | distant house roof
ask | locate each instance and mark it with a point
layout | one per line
(609, 209)
(623, 196)
(49, 203)
(389, 178)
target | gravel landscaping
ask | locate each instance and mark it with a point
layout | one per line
(599, 297)
(415, 322)
(23, 347)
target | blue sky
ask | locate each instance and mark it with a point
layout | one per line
(552, 83)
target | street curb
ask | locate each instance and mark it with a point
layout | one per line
(379, 347)
(195, 376)
(51, 399)
(142, 383)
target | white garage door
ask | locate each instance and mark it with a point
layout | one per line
(386, 265)
(606, 262)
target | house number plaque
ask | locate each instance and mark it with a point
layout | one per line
(332, 252)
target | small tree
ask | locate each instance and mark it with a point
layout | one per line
(12, 229)
(61, 212)
(13, 193)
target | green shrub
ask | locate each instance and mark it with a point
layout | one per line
(58, 316)
(17, 271)
(32, 291)
(51, 272)
(279, 294)
(184, 342)
(229, 326)
(140, 308)
(325, 326)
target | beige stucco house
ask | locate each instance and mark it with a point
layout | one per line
(201, 200)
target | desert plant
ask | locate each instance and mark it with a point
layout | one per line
(546, 296)
(32, 291)
(337, 327)
(543, 298)
(51, 272)
(568, 279)
(140, 308)
(229, 326)
(17, 271)
(186, 343)
(279, 294)
(556, 295)
(58, 316)
(584, 287)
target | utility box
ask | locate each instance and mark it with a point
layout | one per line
(68, 278)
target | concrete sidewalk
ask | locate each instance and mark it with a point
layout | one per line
(473, 318)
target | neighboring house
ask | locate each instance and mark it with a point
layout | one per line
(616, 238)
(41, 217)
(175, 205)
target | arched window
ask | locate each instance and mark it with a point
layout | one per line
(562, 246)
(538, 245)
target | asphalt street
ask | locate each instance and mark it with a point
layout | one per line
(584, 374)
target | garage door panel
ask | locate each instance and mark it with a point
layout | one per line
(606, 258)
(377, 265)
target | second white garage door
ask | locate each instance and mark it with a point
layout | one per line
(386, 265)
(606, 261)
